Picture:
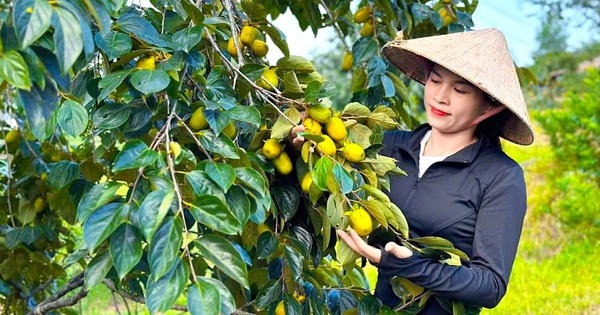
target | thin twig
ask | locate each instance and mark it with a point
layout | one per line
(234, 32)
(335, 25)
(194, 137)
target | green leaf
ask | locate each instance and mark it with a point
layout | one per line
(321, 172)
(420, 11)
(39, 106)
(150, 81)
(217, 120)
(97, 269)
(388, 86)
(312, 92)
(291, 83)
(203, 299)
(405, 289)
(282, 126)
(98, 196)
(346, 255)
(162, 293)
(125, 248)
(134, 154)
(287, 198)
(254, 10)
(114, 44)
(335, 211)
(252, 180)
(356, 110)
(238, 202)
(63, 173)
(364, 49)
(369, 305)
(268, 294)
(402, 224)
(278, 38)
(434, 242)
(193, 12)
(111, 116)
(187, 38)
(132, 23)
(72, 117)
(30, 26)
(227, 301)
(223, 254)
(247, 114)
(110, 82)
(293, 260)
(221, 173)
(203, 185)
(212, 212)
(343, 178)
(360, 134)
(296, 63)
(377, 209)
(219, 144)
(14, 70)
(165, 245)
(153, 210)
(101, 223)
(68, 38)
(266, 245)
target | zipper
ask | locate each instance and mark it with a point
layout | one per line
(412, 192)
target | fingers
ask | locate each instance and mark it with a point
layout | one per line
(397, 250)
(297, 141)
(358, 244)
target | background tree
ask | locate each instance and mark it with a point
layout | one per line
(135, 154)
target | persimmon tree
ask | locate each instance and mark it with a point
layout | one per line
(133, 154)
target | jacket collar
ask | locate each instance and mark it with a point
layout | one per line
(464, 156)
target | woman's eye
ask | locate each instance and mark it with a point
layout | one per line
(460, 91)
(435, 81)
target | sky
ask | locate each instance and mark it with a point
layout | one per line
(517, 19)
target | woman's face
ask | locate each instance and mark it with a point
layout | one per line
(451, 102)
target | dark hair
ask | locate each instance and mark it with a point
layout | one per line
(490, 129)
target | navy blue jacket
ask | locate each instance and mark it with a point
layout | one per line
(476, 199)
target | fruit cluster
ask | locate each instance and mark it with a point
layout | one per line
(248, 38)
(365, 15)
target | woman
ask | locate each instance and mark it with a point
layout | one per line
(460, 185)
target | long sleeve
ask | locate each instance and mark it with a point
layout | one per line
(497, 233)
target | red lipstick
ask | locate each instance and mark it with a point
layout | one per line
(438, 112)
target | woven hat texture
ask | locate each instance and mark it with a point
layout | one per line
(480, 57)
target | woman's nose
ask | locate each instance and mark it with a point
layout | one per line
(441, 95)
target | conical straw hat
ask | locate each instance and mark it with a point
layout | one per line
(481, 57)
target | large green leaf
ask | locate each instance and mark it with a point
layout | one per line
(221, 173)
(98, 196)
(31, 19)
(287, 199)
(227, 300)
(162, 293)
(203, 299)
(187, 38)
(135, 154)
(114, 44)
(219, 144)
(293, 260)
(238, 202)
(223, 254)
(364, 49)
(72, 117)
(102, 223)
(153, 210)
(268, 294)
(131, 22)
(343, 178)
(278, 38)
(282, 126)
(110, 82)
(165, 246)
(321, 172)
(247, 114)
(266, 245)
(252, 180)
(111, 116)
(212, 212)
(13, 69)
(125, 248)
(39, 106)
(97, 269)
(68, 38)
(203, 185)
(150, 81)
(63, 173)
(369, 305)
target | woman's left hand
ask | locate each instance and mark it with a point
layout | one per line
(373, 254)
